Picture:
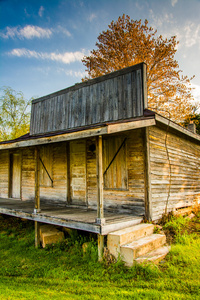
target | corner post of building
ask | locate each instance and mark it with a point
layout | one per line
(148, 196)
(37, 194)
(100, 209)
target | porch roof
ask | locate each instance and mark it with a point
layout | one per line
(80, 133)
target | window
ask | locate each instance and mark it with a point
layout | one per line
(115, 170)
(46, 159)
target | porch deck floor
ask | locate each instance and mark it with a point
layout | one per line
(68, 216)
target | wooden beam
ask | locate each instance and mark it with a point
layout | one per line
(100, 246)
(99, 160)
(114, 128)
(144, 86)
(86, 174)
(42, 218)
(87, 133)
(37, 179)
(37, 234)
(148, 202)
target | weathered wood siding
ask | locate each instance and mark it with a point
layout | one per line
(28, 174)
(78, 172)
(16, 175)
(58, 172)
(58, 191)
(91, 171)
(184, 182)
(116, 96)
(127, 200)
(115, 173)
(4, 173)
(83, 178)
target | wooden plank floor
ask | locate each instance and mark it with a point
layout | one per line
(72, 217)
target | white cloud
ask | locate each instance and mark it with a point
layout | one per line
(72, 73)
(23, 52)
(91, 17)
(161, 19)
(66, 58)
(139, 5)
(192, 34)
(41, 10)
(196, 92)
(10, 33)
(62, 30)
(173, 2)
(28, 32)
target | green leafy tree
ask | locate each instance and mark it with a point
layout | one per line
(127, 42)
(14, 114)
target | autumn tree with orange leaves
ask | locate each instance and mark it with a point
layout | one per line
(128, 42)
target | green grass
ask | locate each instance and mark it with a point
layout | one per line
(63, 271)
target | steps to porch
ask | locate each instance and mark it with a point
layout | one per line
(137, 244)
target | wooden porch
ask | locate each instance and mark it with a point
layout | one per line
(74, 217)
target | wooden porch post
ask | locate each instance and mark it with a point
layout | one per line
(100, 246)
(37, 234)
(148, 209)
(100, 210)
(37, 180)
(99, 158)
(68, 174)
(37, 194)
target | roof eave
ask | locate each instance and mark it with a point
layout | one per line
(106, 129)
(175, 127)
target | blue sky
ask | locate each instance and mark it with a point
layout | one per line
(42, 41)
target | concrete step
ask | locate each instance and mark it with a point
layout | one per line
(50, 235)
(127, 235)
(140, 247)
(154, 256)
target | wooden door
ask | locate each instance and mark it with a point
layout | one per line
(15, 175)
(78, 172)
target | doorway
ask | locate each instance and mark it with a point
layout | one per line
(15, 175)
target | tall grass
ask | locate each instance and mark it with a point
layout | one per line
(65, 271)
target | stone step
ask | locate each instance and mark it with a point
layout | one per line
(140, 247)
(127, 235)
(50, 235)
(154, 256)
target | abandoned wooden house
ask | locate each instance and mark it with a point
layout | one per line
(96, 159)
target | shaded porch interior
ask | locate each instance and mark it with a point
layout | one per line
(95, 184)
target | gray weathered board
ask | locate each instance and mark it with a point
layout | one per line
(115, 96)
